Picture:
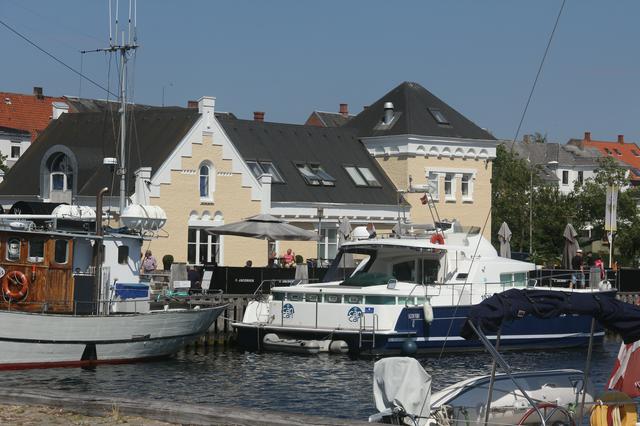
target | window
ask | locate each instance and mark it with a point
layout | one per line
(565, 177)
(309, 297)
(353, 299)
(433, 186)
(123, 255)
(36, 251)
(315, 175)
(608, 151)
(15, 151)
(60, 172)
(466, 186)
(449, 187)
(438, 116)
(295, 297)
(580, 177)
(13, 249)
(332, 298)
(369, 177)
(328, 243)
(204, 182)
(355, 176)
(60, 254)
(259, 168)
(634, 152)
(362, 176)
(202, 247)
(380, 300)
(617, 151)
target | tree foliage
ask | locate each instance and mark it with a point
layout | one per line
(514, 181)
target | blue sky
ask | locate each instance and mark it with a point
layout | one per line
(290, 57)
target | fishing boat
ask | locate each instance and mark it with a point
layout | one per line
(71, 293)
(409, 293)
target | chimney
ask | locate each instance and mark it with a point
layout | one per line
(206, 107)
(587, 136)
(526, 139)
(192, 104)
(344, 110)
(388, 113)
(620, 138)
(258, 116)
(37, 92)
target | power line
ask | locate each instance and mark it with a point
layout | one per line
(25, 38)
(535, 81)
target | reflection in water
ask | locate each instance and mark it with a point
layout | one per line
(328, 385)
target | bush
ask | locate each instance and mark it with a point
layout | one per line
(299, 259)
(167, 260)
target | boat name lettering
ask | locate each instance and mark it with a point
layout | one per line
(245, 280)
(288, 311)
(414, 315)
(354, 314)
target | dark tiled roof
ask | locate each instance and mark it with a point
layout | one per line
(91, 137)
(332, 148)
(411, 103)
(19, 132)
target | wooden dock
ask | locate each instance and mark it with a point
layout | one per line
(167, 411)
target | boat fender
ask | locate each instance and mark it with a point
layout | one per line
(437, 239)
(16, 279)
(338, 347)
(428, 312)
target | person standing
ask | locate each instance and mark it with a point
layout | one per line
(577, 264)
(149, 263)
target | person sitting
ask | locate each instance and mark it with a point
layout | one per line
(289, 259)
(249, 264)
(371, 229)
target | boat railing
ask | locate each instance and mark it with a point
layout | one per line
(266, 286)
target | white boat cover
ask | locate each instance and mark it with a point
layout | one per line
(404, 380)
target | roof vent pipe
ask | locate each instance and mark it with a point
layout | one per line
(388, 112)
(258, 116)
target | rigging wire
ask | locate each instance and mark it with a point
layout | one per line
(535, 81)
(25, 38)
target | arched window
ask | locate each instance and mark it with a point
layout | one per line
(60, 171)
(207, 175)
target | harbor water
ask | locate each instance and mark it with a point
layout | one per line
(328, 385)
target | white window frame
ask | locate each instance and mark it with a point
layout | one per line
(433, 185)
(64, 181)
(562, 172)
(211, 187)
(325, 242)
(451, 196)
(210, 242)
(14, 145)
(469, 196)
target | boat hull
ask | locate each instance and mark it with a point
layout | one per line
(31, 340)
(442, 334)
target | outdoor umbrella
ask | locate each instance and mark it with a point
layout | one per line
(571, 246)
(264, 226)
(504, 235)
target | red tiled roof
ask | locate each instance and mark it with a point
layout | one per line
(26, 112)
(627, 152)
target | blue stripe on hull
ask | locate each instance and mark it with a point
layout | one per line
(525, 333)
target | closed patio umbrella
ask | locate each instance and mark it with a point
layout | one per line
(504, 235)
(571, 246)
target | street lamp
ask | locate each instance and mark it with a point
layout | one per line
(532, 167)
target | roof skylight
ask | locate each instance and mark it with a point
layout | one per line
(259, 168)
(362, 176)
(315, 175)
(439, 116)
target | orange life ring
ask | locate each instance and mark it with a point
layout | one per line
(437, 239)
(15, 278)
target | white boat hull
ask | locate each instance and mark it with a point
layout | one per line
(31, 340)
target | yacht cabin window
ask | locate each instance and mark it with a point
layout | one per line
(123, 255)
(13, 249)
(36, 250)
(60, 254)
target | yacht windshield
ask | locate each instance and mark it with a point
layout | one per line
(376, 265)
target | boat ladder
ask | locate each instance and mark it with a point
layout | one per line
(365, 330)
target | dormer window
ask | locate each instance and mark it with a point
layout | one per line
(608, 151)
(617, 151)
(315, 175)
(439, 116)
